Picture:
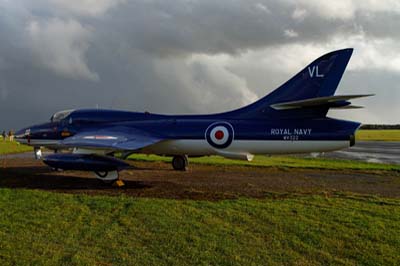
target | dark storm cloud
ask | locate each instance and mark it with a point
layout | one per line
(199, 27)
(182, 56)
(173, 28)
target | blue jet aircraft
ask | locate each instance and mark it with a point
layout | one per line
(291, 119)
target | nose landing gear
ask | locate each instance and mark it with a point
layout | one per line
(180, 163)
(38, 153)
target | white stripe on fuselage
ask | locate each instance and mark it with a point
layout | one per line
(201, 147)
(39, 142)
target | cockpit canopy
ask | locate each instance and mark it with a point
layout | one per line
(61, 115)
(90, 116)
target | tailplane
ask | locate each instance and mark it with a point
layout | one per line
(336, 102)
(309, 94)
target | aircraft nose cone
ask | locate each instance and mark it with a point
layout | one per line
(22, 136)
(21, 133)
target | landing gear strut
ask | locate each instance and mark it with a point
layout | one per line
(180, 163)
(38, 153)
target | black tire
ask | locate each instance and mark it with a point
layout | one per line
(101, 175)
(180, 163)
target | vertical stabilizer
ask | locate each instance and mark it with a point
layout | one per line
(318, 79)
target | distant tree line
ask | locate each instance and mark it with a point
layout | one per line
(371, 126)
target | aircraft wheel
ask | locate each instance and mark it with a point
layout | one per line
(107, 177)
(180, 163)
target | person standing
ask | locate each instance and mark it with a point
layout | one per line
(11, 135)
(3, 134)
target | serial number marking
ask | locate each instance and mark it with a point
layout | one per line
(292, 138)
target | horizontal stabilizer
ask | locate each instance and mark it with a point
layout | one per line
(338, 101)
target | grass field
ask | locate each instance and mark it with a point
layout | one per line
(48, 228)
(378, 135)
(12, 147)
(42, 228)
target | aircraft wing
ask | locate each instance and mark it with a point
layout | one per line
(338, 101)
(118, 138)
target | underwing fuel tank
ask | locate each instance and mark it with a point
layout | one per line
(84, 162)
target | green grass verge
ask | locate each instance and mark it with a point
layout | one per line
(378, 135)
(281, 162)
(43, 228)
(7, 147)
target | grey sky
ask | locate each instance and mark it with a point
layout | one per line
(188, 56)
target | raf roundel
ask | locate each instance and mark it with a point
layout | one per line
(220, 135)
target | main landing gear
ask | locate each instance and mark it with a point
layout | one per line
(180, 163)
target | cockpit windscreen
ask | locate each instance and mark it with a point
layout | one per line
(60, 115)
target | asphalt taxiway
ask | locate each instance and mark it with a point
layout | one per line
(369, 151)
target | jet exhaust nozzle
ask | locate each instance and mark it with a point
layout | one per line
(352, 140)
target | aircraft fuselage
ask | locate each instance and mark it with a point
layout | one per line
(203, 135)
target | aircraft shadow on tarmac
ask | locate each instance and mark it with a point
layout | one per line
(47, 179)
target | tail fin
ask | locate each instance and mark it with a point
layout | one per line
(318, 79)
